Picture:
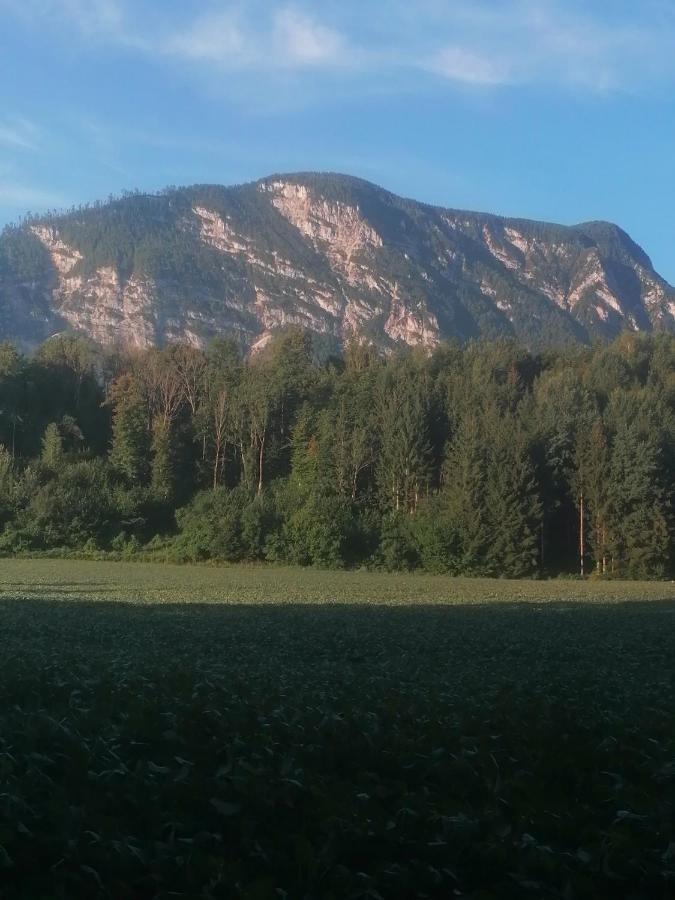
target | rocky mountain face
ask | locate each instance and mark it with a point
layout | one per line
(326, 252)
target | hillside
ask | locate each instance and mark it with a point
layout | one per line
(331, 253)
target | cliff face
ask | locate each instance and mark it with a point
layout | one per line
(330, 253)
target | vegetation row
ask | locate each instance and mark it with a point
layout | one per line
(481, 460)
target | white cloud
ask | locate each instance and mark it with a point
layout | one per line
(468, 66)
(228, 39)
(217, 38)
(548, 42)
(304, 42)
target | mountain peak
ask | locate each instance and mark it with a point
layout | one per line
(332, 253)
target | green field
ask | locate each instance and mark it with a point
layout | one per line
(269, 733)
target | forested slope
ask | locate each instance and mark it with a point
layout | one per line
(329, 253)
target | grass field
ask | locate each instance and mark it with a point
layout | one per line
(269, 733)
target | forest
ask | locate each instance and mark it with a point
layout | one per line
(483, 459)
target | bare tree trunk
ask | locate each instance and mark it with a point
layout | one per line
(541, 551)
(582, 547)
(242, 457)
(598, 544)
(216, 464)
(261, 457)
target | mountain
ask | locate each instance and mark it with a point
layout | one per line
(328, 252)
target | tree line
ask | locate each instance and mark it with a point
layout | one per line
(477, 460)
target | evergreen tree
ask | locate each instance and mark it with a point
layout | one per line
(485, 459)
(12, 389)
(130, 449)
(353, 432)
(52, 455)
(7, 485)
(463, 506)
(512, 502)
(637, 507)
(592, 484)
(559, 419)
(404, 462)
(162, 481)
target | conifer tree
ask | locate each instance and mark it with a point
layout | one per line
(464, 518)
(309, 464)
(638, 506)
(7, 484)
(163, 461)
(355, 439)
(592, 483)
(404, 457)
(52, 455)
(559, 419)
(512, 502)
(130, 449)
(449, 461)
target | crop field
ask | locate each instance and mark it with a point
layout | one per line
(273, 733)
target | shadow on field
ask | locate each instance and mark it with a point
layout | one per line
(500, 749)
(614, 632)
(38, 597)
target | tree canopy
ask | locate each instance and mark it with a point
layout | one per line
(482, 460)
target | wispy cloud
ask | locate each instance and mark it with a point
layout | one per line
(92, 17)
(18, 134)
(548, 42)
(23, 198)
(217, 38)
(300, 40)
(228, 39)
(92, 22)
(485, 43)
(469, 66)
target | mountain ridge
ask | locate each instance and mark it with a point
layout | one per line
(332, 253)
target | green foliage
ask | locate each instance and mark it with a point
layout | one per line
(7, 485)
(404, 450)
(638, 508)
(52, 456)
(480, 460)
(68, 506)
(397, 550)
(130, 447)
(163, 466)
(438, 539)
(211, 526)
(236, 733)
(464, 513)
(22, 255)
(439, 260)
(512, 504)
(318, 532)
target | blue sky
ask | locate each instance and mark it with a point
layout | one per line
(554, 109)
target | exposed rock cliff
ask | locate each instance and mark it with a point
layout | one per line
(326, 252)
